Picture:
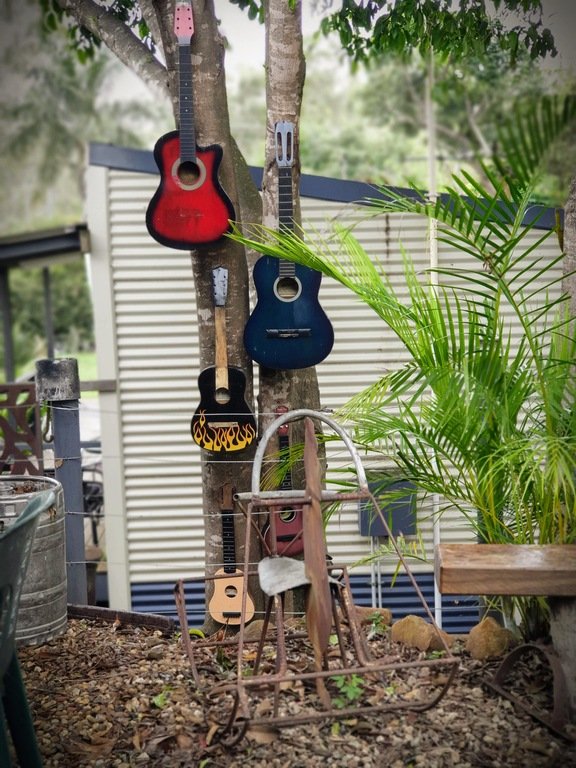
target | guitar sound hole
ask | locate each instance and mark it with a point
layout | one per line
(188, 173)
(222, 396)
(287, 515)
(230, 591)
(287, 288)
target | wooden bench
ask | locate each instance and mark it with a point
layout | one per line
(506, 569)
(522, 570)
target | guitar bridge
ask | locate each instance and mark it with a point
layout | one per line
(288, 333)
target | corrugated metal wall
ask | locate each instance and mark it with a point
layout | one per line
(147, 338)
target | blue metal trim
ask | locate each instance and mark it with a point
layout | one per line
(459, 614)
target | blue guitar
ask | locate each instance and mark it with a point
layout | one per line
(287, 328)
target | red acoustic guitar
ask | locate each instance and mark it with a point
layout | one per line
(189, 208)
(287, 520)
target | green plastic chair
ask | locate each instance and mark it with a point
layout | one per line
(15, 548)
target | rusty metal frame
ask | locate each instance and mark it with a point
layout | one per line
(558, 718)
(249, 683)
(21, 449)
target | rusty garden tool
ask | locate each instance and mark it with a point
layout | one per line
(263, 693)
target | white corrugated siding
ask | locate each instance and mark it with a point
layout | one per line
(157, 367)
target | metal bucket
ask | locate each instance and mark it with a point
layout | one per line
(42, 613)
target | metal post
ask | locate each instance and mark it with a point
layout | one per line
(58, 383)
(6, 313)
(48, 316)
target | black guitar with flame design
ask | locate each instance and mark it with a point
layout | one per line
(223, 421)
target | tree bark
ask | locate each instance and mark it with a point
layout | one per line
(212, 126)
(562, 623)
(285, 67)
(569, 246)
(285, 75)
(120, 40)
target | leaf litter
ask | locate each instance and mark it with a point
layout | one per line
(123, 696)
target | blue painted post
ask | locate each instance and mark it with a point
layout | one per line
(58, 384)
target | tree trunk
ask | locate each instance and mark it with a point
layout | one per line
(212, 125)
(562, 624)
(285, 68)
(285, 73)
(569, 283)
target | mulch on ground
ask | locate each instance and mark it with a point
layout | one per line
(110, 695)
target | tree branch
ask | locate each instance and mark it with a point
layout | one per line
(120, 40)
(150, 10)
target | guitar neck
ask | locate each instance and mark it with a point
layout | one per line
(228, 542)
(221, 352)
(284, 444)
(285, 204)
(186, 127)
(285, 215)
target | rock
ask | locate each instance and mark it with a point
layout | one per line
(367, 615)
(416, 632)
(156, 652)
(488, 640)
(253, 631)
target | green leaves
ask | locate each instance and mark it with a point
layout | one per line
(368, 30)
(484, 412)
(85, 43)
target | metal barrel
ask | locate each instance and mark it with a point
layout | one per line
(42, 614)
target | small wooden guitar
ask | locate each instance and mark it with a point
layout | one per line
(189, 208)
(287, 521)
(223, 421)
(225, 605)
(287, 328)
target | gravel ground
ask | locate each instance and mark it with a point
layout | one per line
(110, 695)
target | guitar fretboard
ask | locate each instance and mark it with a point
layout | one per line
(186, 127)
(228, 542)
(284, 444)
(285, 216)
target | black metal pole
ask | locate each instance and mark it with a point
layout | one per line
(6, 313)
(58, 383)
(48, 317)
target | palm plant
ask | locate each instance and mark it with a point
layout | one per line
(478, 417)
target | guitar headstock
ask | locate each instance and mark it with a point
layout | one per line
(183, 22)
(220, 285)
(284, 143)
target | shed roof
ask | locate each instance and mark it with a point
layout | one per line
(28, 246)
(318, 187)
